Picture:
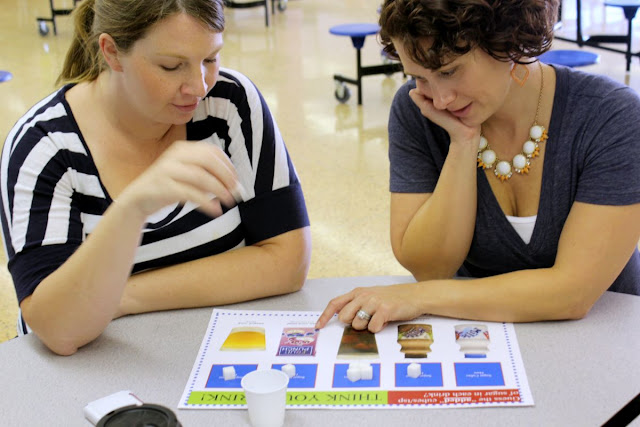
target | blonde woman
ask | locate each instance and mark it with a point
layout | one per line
(152, 180)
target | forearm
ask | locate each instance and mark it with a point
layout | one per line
(520, 296)
(595, 245)
(273, 267)
(439, 235)
(74, 304)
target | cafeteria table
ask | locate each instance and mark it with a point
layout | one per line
(580, 372)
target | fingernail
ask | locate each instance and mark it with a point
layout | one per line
(239, 193)
(236, 194)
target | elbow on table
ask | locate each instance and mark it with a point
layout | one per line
(296, 283)
(578, 295)
(60, 345)
(298, 275)
(440, 263)
(577, 310)
(574, 306)
(424, 270)
(64, 343)
(296, 260)
(286, 283)
(56, 334)
(62, 349)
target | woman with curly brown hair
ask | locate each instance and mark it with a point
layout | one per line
(522, 176)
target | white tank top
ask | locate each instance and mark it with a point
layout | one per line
(523, 226)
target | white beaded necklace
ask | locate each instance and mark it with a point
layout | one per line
(503, 169)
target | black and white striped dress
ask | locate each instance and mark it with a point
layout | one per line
(52, 195)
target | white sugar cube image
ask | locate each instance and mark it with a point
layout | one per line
(354, 373)
(229, 373)
(289, 369)
(414, 370)
(366, 372)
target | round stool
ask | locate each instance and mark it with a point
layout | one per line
(357, 32)
(5, 76)
(569, 58)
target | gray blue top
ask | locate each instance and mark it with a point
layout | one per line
(592, 156)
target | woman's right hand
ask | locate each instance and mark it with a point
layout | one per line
(198, 172)
(457, 130)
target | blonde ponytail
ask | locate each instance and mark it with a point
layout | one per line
(83, 61)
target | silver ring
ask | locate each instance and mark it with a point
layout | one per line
(363, 315)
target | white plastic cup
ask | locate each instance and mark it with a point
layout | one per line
(266, 394)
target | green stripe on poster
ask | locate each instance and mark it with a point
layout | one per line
(216, 398)
(341, 398)
(302, 398)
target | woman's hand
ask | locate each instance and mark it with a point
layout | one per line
(457, 130)
(384, 303)
(198, 172)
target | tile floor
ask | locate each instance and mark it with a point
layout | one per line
(340, 150)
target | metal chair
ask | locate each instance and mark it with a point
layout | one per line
(282, 6)
(42, 21)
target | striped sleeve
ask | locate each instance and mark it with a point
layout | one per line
(42, 160)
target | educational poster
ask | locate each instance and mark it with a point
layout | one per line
(429, 362)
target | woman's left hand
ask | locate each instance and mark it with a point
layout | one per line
(383, 303)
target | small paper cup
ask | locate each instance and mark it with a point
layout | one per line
(266, 394)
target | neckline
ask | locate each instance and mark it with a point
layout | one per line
(521, 219)
(61, 95)
(63, 99)
(494, 208)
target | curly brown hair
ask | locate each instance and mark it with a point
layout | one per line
(505, 29)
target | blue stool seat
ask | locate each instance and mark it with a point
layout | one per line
(569, 58)
(357, 32)
(5, 76)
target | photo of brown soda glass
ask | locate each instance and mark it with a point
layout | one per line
(415, 340)
(357, 344)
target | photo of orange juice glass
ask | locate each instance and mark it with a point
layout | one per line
(245, 338)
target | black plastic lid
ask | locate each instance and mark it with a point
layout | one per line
(146, 415)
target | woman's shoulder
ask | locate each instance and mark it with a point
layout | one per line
(587, 100)
(233, 93)
(232, 83)
(403, 109)
(48, 116)
(236, 76)
(580, 85)
(401, 100)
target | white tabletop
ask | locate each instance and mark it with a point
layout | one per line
(580, 372)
